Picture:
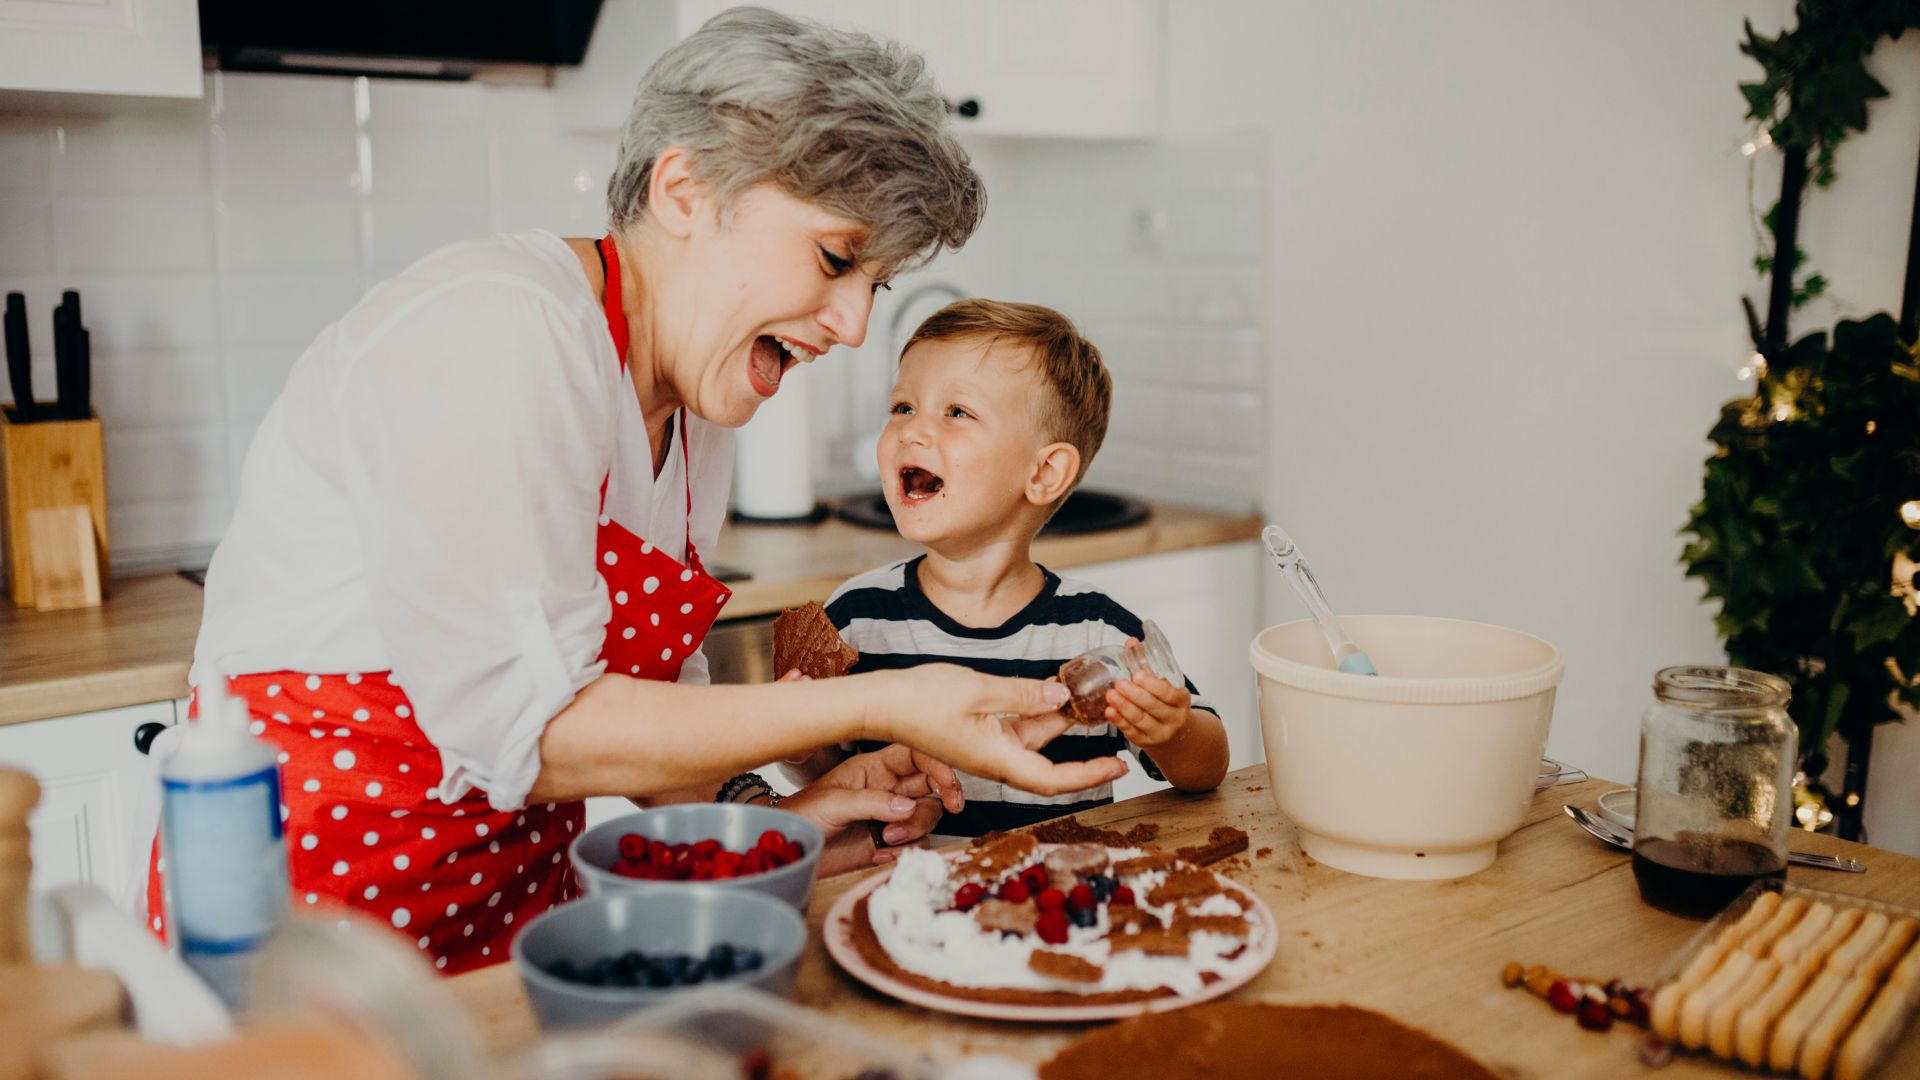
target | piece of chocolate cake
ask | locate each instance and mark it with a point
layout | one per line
(805, 638)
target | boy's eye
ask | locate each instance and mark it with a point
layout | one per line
(901, 408)
(955, 410)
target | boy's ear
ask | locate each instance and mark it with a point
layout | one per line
(1054, 471)
(676, 199)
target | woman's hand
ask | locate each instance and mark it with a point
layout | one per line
(981, 724)
(897, 785)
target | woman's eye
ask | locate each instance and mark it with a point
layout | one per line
(835, 264)
(879, 285)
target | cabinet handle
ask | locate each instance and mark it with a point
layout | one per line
(965, 108)
(144, 735)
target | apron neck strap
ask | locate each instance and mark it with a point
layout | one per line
(617, 327)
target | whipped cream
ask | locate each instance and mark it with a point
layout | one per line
(912, 919)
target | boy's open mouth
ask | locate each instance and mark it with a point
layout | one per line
(918, 485)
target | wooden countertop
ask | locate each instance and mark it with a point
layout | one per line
(1427, 953)
(137, 646)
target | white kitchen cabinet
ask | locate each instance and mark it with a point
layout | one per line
(143, 47)
(1206, 602)
(99, 798)
(1069, 68)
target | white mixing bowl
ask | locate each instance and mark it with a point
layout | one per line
(1420, 772)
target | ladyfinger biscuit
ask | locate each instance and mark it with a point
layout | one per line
(1755, 1025)
(1665, 1015)
(1783, 1050)
(1899, 936)
(1876, 1032)
(1847, 956)
(1794, 944)
(1907, 971)
(1720, 1019)
(1693, 1012)
(1756, 916)
(1846, 923)
(1784, 918)
(1824, 1037)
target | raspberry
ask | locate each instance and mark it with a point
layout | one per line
(1594, 1016)
(705, 849)
(1123, 895)
(658, 853)
(1050, 899)
(1035, 877)
(1561, 996)
(969, 894)
(633, 846)
(1013, 890)
(772, 838)
(1052, 927)
(1081, 898)
(791, 851)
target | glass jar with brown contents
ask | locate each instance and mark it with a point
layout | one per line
(1090, 675)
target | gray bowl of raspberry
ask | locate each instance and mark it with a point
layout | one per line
(722, 847)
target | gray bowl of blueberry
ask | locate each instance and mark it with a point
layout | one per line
(597, 959)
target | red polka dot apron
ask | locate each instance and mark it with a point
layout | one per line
(365, 826)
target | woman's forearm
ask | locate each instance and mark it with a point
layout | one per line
(624, 736)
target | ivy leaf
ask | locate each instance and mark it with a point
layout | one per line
(1880, 622)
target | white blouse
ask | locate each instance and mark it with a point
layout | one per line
(423, 499)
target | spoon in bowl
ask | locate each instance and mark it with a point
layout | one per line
(1286, 555)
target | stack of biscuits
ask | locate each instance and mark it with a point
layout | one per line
(1798, 985)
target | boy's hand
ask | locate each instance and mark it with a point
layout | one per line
(1149, 710)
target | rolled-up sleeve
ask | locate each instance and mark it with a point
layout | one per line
(478, 437)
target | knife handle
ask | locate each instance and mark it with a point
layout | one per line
(82, 375)
(19, 357)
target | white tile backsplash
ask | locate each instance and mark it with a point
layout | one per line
(212, 240)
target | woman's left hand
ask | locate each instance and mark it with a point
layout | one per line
(896, 785)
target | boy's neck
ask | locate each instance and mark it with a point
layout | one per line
(982, 585)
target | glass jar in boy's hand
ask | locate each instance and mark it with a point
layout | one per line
(1717, 758)
(1091, 674)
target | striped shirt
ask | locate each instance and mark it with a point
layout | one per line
(884, 614)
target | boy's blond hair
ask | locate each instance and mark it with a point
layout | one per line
(1067, 366)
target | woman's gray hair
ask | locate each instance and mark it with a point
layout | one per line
(838, 119)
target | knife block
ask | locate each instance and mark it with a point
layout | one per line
(50, 465)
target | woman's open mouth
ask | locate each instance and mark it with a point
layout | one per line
(766, 363)
(918, 485)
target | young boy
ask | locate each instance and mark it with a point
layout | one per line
(996, 414)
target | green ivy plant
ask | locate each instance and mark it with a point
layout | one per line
(1811, 503)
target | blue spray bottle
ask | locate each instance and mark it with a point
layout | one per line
(226, 859)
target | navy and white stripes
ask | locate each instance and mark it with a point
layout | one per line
(884, 614)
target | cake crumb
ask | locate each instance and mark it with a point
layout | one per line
(1263, 853)
(1143, 833)
(1223, 841)
(1071, 830)
(1064, 967)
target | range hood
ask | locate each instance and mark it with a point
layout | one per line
(418, 39)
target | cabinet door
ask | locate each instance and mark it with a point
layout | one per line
(1204, 600)
(146, 47)
(98, 798)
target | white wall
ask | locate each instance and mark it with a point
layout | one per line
(1507, 241)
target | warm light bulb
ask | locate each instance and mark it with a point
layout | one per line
(1744, 374)
(1910, 513)
(1759, 363)
(1784, 411)
(1765, 139)
(1871, 426)
(1749, 149)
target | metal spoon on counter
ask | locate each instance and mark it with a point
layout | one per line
(1615, 836)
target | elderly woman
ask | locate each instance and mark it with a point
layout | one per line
(462, 589)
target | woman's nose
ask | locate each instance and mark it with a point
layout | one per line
(847, 311)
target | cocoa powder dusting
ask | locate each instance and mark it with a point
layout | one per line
(1071, 830)
(1337, 1042)
(1143, 833)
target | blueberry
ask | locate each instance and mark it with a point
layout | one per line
(696, 974)
(678, 967)
(720, 960)
(1102, 887)
(659, 975)
(564, 969)
(1083, 916)
(750, 959)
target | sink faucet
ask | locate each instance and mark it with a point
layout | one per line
(906, 304)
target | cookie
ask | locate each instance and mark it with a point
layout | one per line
(1886, 1017)
(1824, 1037)
(1795, 943)
(1783, 1049)
(1787, 913)
(1726, 1011)
(1755, 1024)
(1700, 1002)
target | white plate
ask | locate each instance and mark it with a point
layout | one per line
(838, 934)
